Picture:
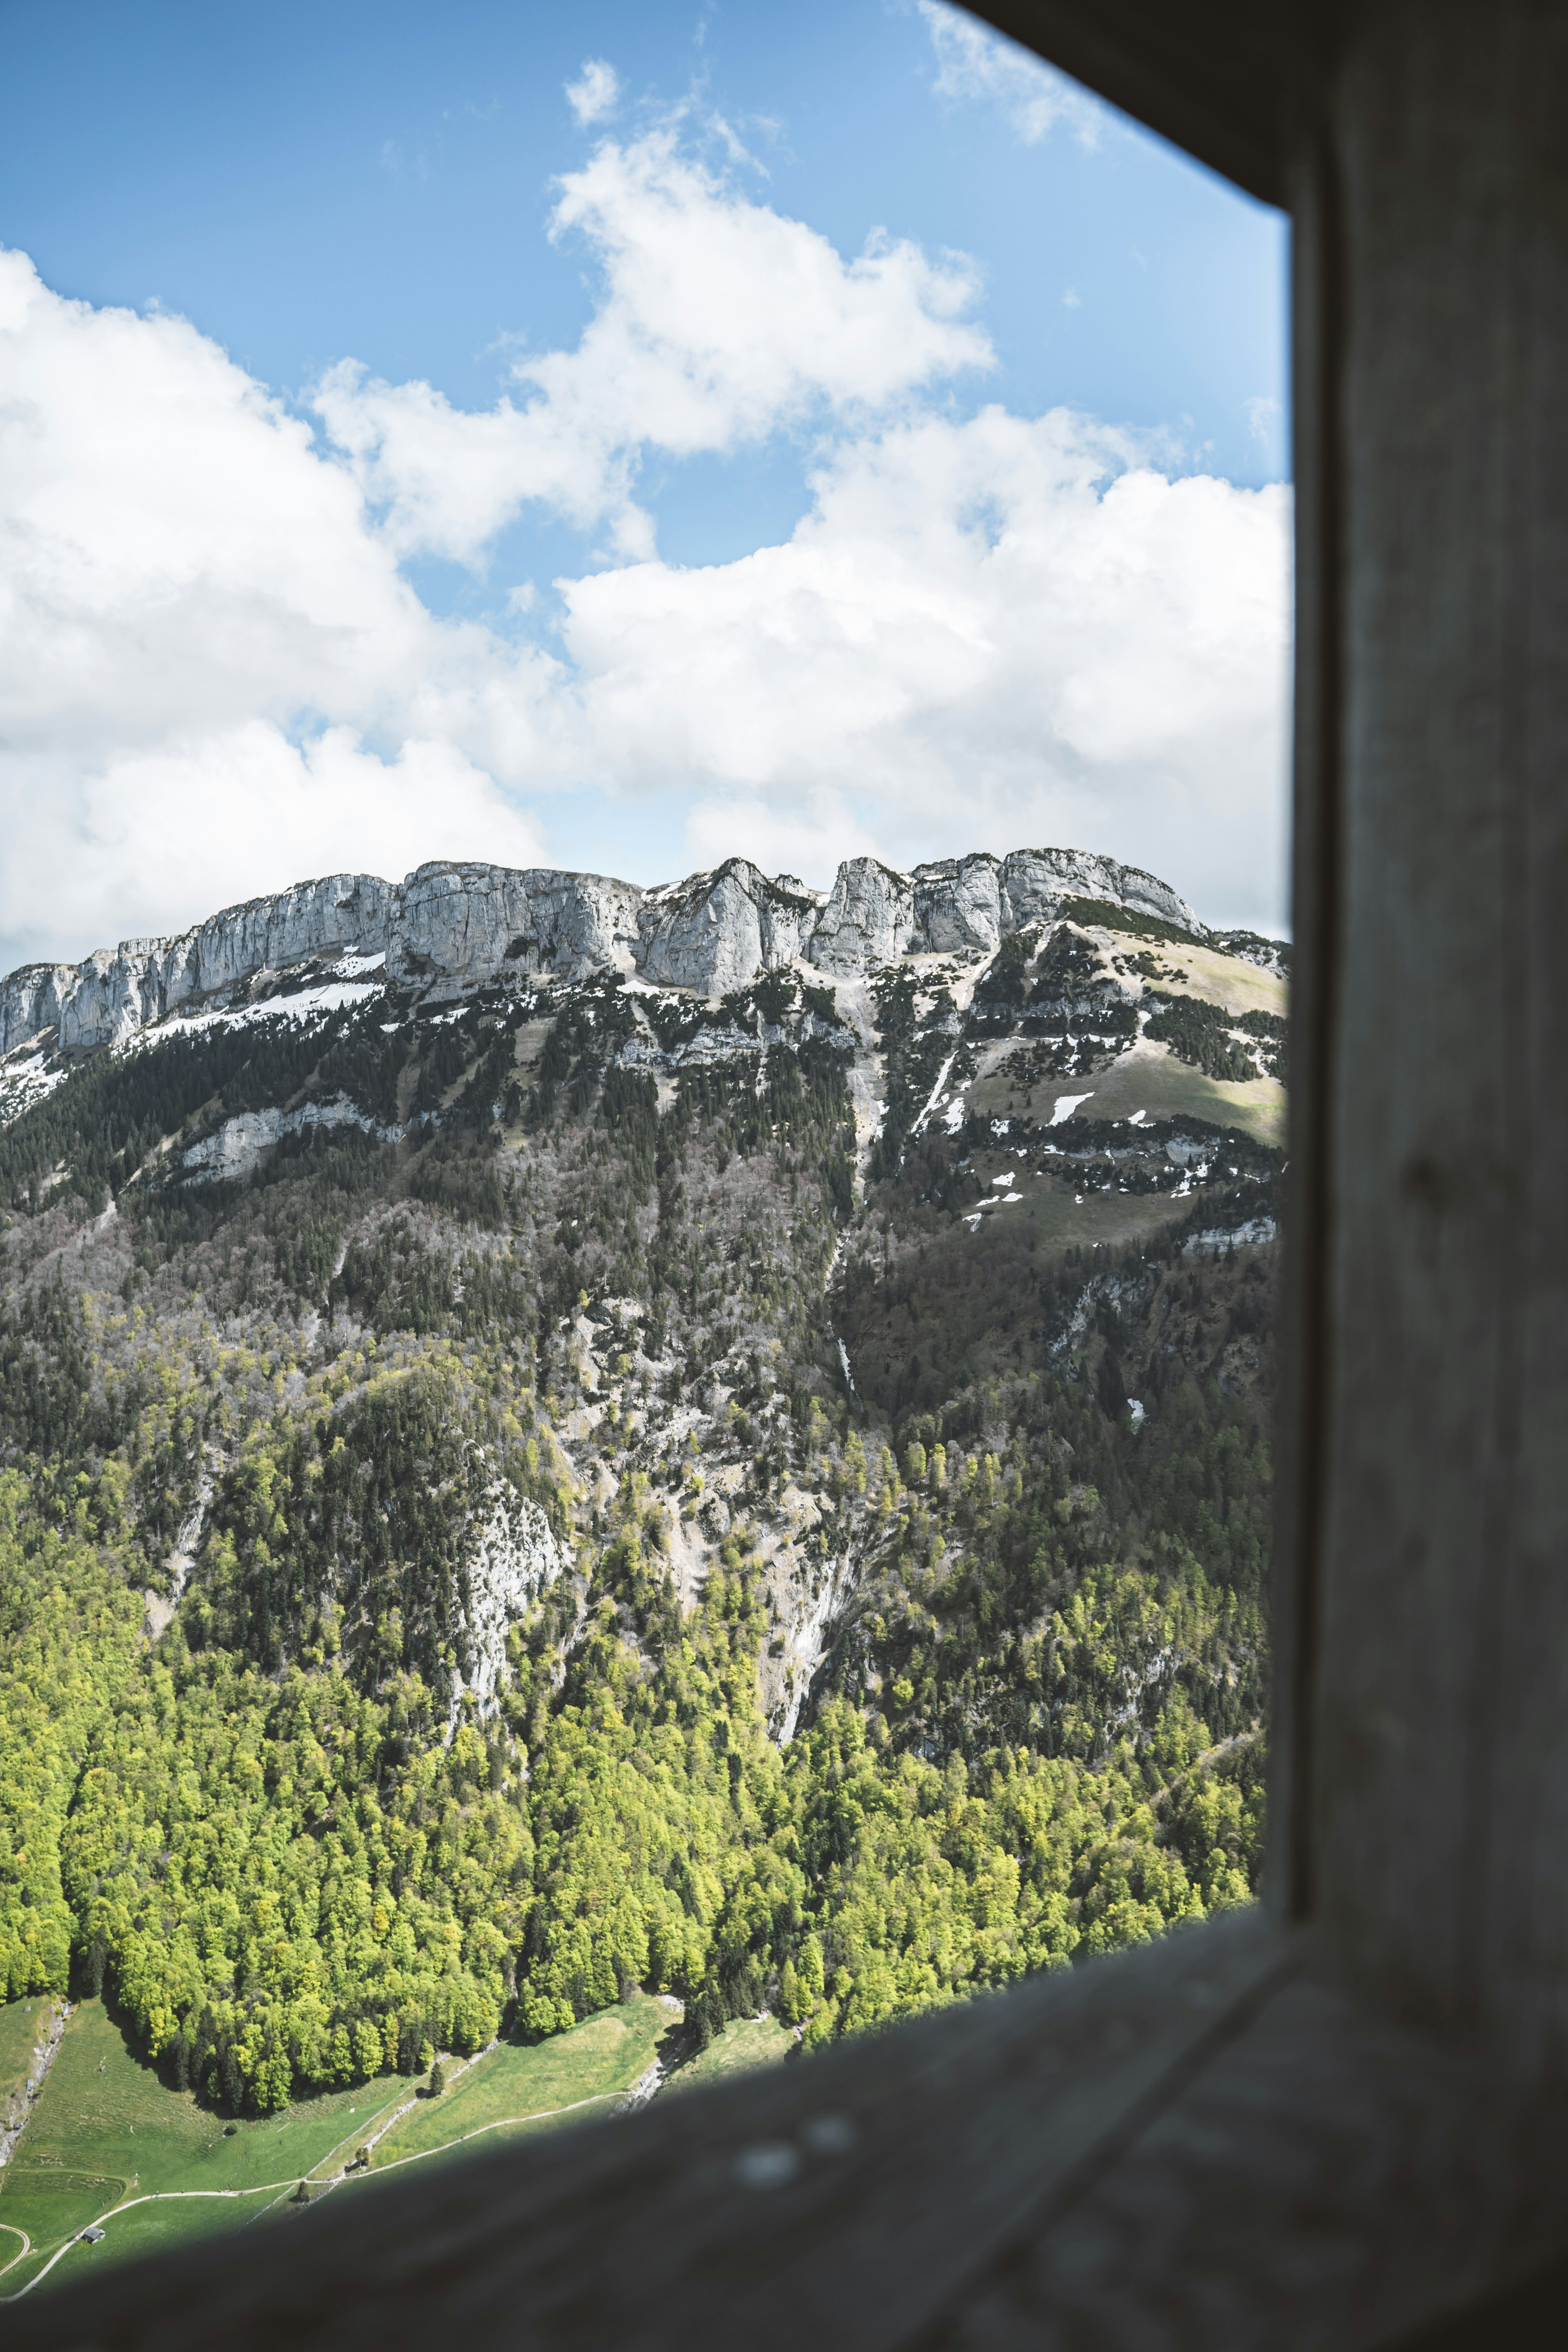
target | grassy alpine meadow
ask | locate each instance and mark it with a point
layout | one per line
(110, 2143)
(745, 2043)
(518, 2086)
(108, 2137)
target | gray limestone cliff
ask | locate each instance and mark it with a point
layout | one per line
(114, 992)
(1035, 881)
(868, 919)
(716, 931)
(454, 926)
(960, 907)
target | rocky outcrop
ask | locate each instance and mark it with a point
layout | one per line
(967, 905)
(868, 919)
(515, 1556)
(114, 992)
(457, 926)
(453, 925)
(233, 1148)
(716, 931)
(1035, 881)
(32, 1000)
(1249, 947)
(959, 907)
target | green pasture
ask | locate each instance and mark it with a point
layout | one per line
(746, 2042)
(1226, 980)
(107, 2129)
(1147, 1078)
(568, 2079)
(109, 2142)
(1106, 1218)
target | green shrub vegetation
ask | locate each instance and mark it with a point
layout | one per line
(1106, 916)
(1199, 1033)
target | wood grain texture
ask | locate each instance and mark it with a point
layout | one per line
(1439, 1752)
(1327, 2181)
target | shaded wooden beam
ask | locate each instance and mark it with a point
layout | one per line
(1199, 2144)
(1437, 1732)
(832, 2200)
(1218, 78)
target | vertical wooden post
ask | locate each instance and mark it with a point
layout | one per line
(1316, 334)
(1427, 1635)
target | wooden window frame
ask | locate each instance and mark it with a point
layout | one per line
(1334, 2120)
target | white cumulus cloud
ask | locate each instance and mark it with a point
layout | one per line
(984, 634)
(187, 591)
(720, 320)
(987, 631)
(976, 64)
(597, 91)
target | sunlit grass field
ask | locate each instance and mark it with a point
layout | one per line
(517, 2086)
(111, 2143)
(107, 2129)
(1148, 1078)
(745, 2043)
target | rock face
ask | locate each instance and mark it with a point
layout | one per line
(112, 994)
(1035, 881)
(31, 1000)
(240, 1141)
(717, 931)
(451, 926)
(515, 1557)
(456, 925)
(959, 906)
(868, 919)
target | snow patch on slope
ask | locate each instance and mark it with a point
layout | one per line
(24, 1083)
(304, 1006)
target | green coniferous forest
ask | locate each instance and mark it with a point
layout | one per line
(581, 1517)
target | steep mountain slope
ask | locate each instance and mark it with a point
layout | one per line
(561, 1435)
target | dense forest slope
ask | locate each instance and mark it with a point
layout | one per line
(726, 1451)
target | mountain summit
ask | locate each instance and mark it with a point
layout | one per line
(448, 927)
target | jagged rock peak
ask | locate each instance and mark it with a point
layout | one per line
(453, 925)
(715, 932)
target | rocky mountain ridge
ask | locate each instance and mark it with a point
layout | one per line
(602, 1475)
(452, 925)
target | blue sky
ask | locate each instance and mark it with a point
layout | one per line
(384, 187)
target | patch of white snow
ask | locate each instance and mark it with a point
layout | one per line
(1066, 1106)
(935, 1096)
